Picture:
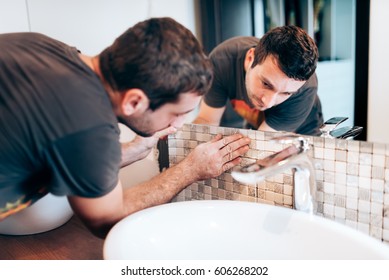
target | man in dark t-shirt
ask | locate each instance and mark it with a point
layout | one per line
(270, 83)
(59, 111)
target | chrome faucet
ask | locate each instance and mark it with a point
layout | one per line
(329, 129)
(293, 157)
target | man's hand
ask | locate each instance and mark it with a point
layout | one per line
(209, 160)
(140, 147)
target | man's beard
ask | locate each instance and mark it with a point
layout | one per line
(133, 128)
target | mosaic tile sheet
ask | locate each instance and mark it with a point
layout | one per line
(352, 177)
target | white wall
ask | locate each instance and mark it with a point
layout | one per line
(13, 16)
(378, 101)
(91, 25)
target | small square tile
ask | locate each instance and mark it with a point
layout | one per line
(378, 172)
(352, 169)
(328, 210)
(352, 181)
(329, 165)
(363, 206)
(340, 189)
(329, 154)
(366, 147)
(352, 192)
(340, 201)
(353, 146)
(319, 153)
(329, 188)
(351, 215)
(377, 209)
(352, 203)
(379, 160)
(364, 194)
(341, 167)
(353, 157)
(340, 212)
(364, 183)
(329, 177)
(377, 196)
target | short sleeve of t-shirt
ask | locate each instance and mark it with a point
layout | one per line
(86, 163)
(229, 75)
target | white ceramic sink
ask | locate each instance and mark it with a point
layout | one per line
(235, 230)
(46, 214)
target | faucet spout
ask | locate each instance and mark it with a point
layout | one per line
(293, 157)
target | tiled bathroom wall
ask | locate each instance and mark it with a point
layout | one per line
(352, 177)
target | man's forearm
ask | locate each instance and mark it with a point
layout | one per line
(132, 152)
(160, 189)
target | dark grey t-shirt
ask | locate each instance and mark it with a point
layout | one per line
(58, 132)
(300, 113)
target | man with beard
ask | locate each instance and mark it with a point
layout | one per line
(59, 113)
(270, 83)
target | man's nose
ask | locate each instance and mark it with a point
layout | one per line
(179, 121)
(268, 99)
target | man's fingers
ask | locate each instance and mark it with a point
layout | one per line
(165, 132)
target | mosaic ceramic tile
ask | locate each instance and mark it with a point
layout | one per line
(352, 177)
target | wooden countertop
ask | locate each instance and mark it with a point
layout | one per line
(71, 241)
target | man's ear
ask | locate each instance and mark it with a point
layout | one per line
(249, 58)
(134, 102)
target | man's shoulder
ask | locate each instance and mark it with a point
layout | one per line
(235, 45)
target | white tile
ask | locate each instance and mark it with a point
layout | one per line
(340, 212)
(329, 177)
(365, 159)
(352, 169)
(352, 157)
(352, 203)
(318, 153)
(328, 210)
(353, 146)
(377, 197)
(329, 188)
(341, 167)
(378, 160)
(364, 183)
(377, 208)
(365, 171)
(340, 189)
(341, 155)
(340, 178)
(352, 181)
(377, 185)
(329, 165)
(363, 206)
(378, 172)
(352, 192)
(329, 154)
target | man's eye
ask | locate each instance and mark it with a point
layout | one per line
(266, 84)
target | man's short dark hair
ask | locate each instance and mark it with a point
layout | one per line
(160, 57)
(295, 51)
